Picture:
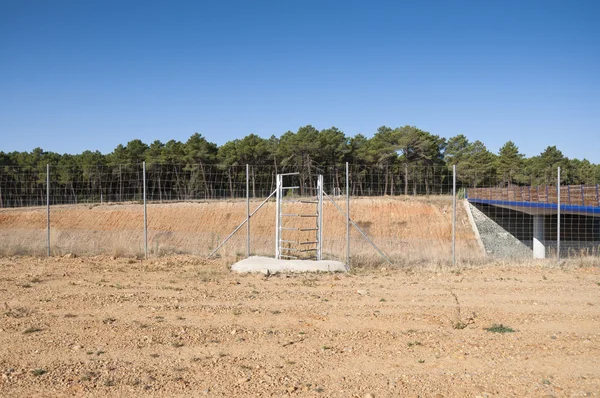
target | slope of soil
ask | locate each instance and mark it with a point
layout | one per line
(178, 326)
(407, 229)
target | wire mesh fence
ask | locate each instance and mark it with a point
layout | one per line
(556, 219)
(21, 187)
(406, 210)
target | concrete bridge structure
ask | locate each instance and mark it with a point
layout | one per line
(531, 214)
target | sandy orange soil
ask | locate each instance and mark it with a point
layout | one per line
(181, 326)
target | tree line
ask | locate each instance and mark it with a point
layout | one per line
(402, 160)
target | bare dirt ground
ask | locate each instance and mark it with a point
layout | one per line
(179, 326)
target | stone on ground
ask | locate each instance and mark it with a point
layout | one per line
(267, 265)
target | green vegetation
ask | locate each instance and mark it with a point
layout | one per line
(395, 160)
(499, 328)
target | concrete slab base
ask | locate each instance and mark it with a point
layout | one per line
(267, 265)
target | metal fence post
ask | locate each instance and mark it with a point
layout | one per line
(145, 213)
(320, 188)
(48, 208)
(347, 217)
(453, 214)
(277, 216)
(558, 217)
(247, 210)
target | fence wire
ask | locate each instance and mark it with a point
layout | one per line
(406, 210)
(554, 219)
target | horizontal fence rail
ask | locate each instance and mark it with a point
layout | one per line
(577, 195)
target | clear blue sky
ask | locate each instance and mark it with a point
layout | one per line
(90, 74)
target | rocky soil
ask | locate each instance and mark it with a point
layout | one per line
(179, 326)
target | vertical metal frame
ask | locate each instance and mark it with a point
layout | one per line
(278, 217)
(558, 216)
(145, 213)
(247, 210)
(453, 214)
(347, 217)
(48, 208)
(320, 218)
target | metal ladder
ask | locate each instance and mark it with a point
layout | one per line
(297, 249)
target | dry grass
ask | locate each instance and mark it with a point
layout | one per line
(411, 231)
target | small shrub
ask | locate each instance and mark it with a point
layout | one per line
(31, 330)
(109, 383)
(39, 372)
(18, 312)
(459, 325)
(499, 328)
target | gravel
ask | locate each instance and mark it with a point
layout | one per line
(497, 241)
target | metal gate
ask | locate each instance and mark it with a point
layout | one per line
(298, 239)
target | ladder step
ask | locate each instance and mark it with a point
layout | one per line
(307, 250)
(289, 241)
(308, 215)
(290, 215)
(307, 243)
(306, 229)
(310, 201)
(290, 187)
